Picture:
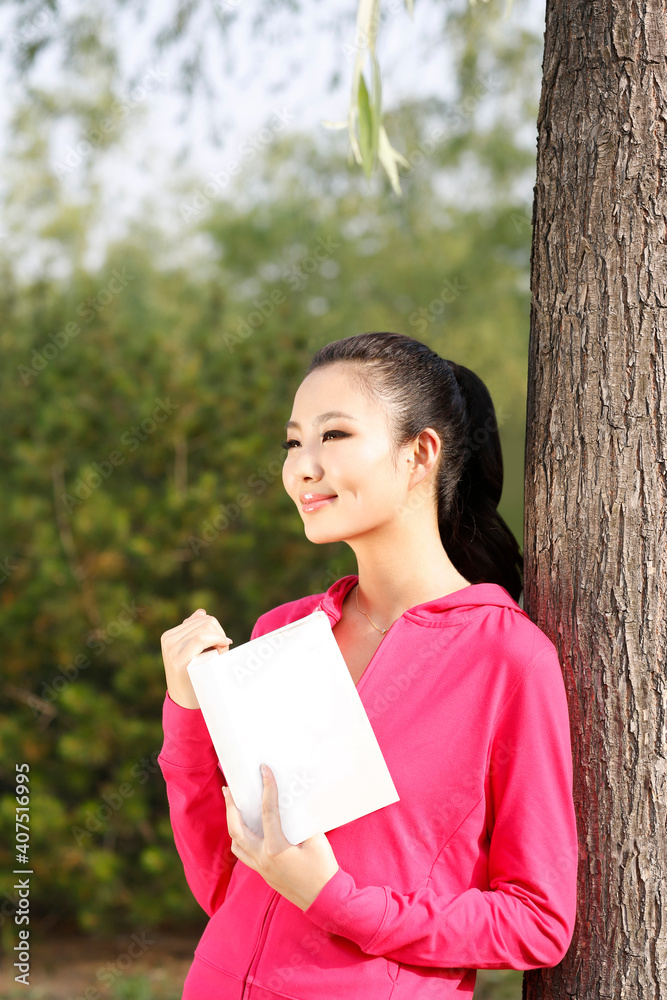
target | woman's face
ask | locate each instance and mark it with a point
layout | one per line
(344, 458)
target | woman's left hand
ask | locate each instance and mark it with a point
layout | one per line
(297, 871)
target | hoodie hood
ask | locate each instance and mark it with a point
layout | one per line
(452, 609)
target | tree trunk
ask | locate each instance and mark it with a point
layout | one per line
(596, 497)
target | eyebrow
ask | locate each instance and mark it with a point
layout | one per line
(322, 417)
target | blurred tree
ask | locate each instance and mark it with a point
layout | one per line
(141, 409)
(143, 394)
(198, 32)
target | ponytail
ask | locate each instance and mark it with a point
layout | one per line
(475, 536)
(421, 390)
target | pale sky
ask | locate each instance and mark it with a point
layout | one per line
(298, 54)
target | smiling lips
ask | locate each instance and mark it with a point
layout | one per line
(313, 501)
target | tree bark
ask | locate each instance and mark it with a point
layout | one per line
(595, 542)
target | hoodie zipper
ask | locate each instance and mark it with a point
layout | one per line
(254, 961)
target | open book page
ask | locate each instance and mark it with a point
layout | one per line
(287, 699)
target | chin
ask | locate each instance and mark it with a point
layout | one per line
(322, 537)
(321, 534)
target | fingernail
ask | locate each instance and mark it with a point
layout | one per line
(263, 768)
(224, 790)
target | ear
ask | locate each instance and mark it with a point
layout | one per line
(422, 455)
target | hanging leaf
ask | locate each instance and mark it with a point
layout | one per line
(365, 128)
(376, 107)
(368, 16)
(389, 157)
(372, 143)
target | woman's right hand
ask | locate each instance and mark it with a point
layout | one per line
(194, 635)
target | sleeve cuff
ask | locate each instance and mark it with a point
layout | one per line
(187, 742)
(341, 908)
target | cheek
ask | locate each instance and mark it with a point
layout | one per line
(369, 473)
(287, 476)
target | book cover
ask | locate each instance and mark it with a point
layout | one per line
(287, 699)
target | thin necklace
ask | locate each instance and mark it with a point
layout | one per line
(356, 597)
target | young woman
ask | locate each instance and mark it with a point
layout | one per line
(395, 451)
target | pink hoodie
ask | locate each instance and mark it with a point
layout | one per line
(475, 867)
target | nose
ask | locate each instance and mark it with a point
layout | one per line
(305, 465)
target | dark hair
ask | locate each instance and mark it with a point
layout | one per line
(424, 390)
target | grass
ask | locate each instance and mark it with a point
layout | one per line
(70, 972)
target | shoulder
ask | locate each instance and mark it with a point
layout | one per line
(510, 644)
(522, 636)
(285, 613)
(528, 675)
(511, 626)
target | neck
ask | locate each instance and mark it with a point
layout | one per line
(400, 569)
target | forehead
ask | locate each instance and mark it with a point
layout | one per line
(334, 388)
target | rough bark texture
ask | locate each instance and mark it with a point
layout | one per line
(596, 496)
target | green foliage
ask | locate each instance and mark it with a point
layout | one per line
(142, 407)
(497, 984)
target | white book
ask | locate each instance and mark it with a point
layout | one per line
(288, 700)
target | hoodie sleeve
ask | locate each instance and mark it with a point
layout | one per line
(197, 807)
(525, 920)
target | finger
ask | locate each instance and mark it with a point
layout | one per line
(243, 856)
(191, 625)
(204, 642)
(273, 831)
(205, 632)
(238, 831)
(215, 623)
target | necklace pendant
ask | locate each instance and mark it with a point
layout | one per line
(377, 628)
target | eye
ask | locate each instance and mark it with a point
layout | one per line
(291, 442)
(337, 434)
